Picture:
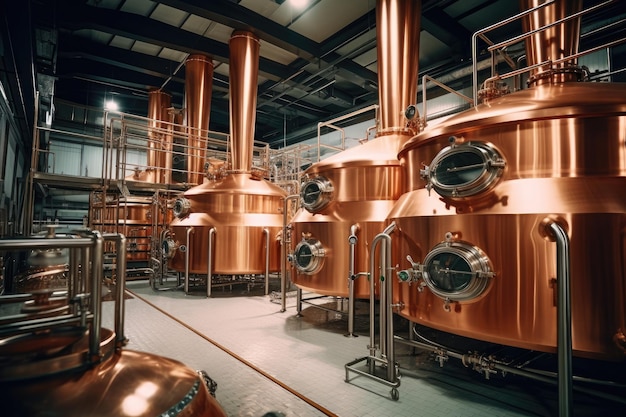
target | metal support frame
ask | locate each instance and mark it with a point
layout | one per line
(387, 356)
(283, 255)
(84, 288)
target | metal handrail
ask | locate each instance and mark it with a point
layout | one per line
(494, 47)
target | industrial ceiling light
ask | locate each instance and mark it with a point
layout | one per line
(299, 4)
(110, 105)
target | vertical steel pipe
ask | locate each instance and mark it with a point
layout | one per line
(564, 318)
(187, 250)
(97, 264)
(385, 330)
(352, 241)
(209, 273)
(120, 285)
(266, 233)
(283, 252)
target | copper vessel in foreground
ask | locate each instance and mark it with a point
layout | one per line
(56, 360)
(347, 197)
(473, 220)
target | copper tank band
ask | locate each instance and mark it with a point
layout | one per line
(243, 73)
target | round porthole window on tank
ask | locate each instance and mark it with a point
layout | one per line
(308, 257)
(464, 170)
(168, 247)
(316, 193)
(457, 271)
(181, 208)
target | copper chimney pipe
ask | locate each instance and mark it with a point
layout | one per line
(198, 89)
(552, 44)
(398, 34)
(158, 103)
(243, 73)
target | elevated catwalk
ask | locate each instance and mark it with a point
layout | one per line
(266, 361)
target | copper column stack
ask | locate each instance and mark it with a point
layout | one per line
(349, 195)
(229, 225)
(198, 91)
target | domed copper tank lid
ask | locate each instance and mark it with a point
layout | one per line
(377, 152)
(127, 383)
(567, 100)
(235, 183)
(398, 28)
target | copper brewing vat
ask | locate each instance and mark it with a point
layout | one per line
(237, 214)
(56, 360)
(356, 189)
(474, 220)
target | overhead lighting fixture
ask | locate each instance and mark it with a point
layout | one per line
(299, 4)
(110, 105)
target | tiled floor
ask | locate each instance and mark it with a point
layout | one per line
(265, 361)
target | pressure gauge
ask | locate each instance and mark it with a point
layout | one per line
(308, 257)
(464, 170)
(457, 271)
(182, 206)
(316, 193)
